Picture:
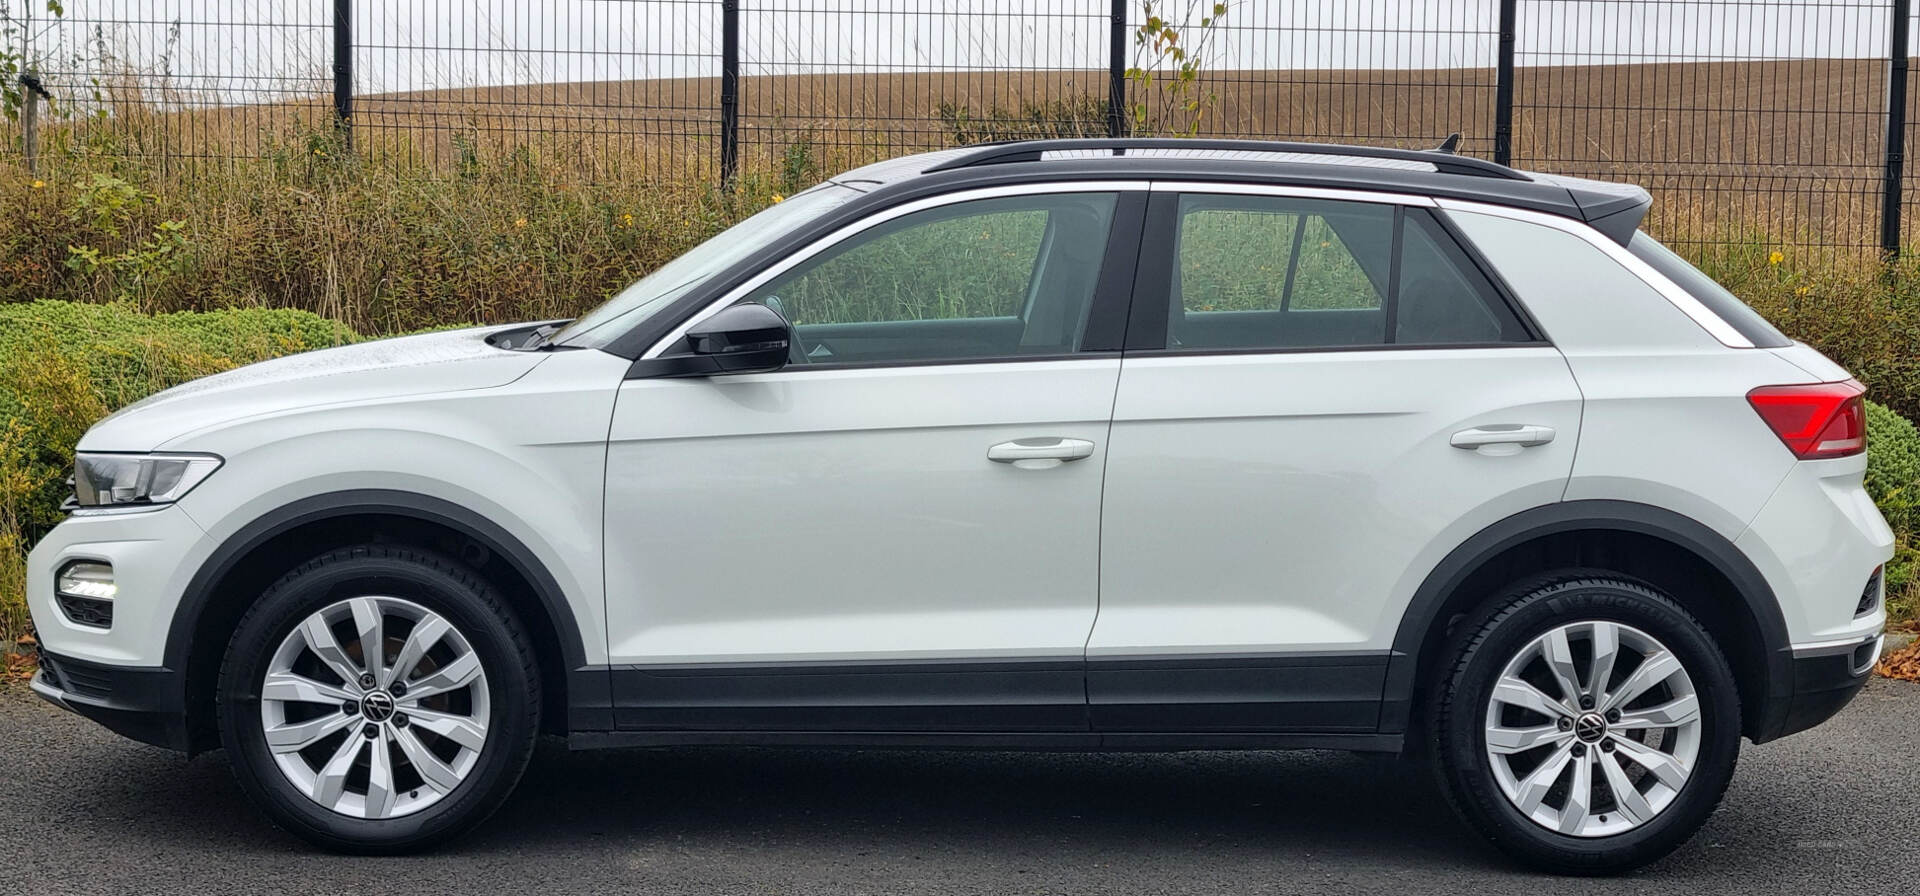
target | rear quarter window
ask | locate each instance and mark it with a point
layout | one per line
(1717, 298)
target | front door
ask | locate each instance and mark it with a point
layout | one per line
(900, 530)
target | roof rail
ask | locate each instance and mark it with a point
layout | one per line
(1033, 150)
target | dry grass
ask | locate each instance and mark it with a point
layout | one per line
(1783, 144)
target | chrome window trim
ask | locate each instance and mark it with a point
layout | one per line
(1693, 308)
(851, 230)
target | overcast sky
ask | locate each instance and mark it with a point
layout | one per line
(256, 50)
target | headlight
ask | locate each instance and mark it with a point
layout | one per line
(129, 480)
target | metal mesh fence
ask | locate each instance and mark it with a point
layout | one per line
(824, 86)
(1745, 118)
(613, 85)
(1751, 119)
(185, 79)
(1399, 72)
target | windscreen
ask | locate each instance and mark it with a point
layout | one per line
(676, 278)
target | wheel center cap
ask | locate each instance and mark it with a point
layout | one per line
(377, 706)
(1590, 727)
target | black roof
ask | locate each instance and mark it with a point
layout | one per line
(1613, 209)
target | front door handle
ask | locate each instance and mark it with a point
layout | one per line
(1040, 453)
(1502, 438)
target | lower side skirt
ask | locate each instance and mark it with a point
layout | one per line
(1198, 702)
(1074, 742)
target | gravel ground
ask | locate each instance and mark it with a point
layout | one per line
(83, 811)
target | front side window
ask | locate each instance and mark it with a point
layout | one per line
(985, 278)
(1269, 272)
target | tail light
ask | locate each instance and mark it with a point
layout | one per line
(1815, 421)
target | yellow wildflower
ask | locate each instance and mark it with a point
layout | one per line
(1775, 257)
(1802, 291)
(38, 184)
(777, 197)
(626, 220)
(519, 223)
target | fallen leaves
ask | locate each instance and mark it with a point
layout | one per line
(1903, 664)
(19, 665)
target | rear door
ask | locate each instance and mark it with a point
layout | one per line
(1323, 393)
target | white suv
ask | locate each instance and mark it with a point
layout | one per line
(1076, 445)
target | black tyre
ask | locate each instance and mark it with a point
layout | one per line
(1586, 725)
(379, 700)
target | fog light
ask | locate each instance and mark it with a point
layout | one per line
(86, 578)
(85, 589)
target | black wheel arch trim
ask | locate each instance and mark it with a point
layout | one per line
(387, 502)
(1424, 610)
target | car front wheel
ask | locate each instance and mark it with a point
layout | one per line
(379, 699)
(1589, 724)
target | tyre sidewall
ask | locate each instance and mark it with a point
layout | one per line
(1462, 734)
(436, 584)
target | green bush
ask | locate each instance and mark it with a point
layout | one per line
(65, 365)
(1893, 479)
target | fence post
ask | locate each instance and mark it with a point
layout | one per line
(729, 91)
(1896, 128)
(1503, 85)
(343, 69)
(30, 94)
(1117, 71)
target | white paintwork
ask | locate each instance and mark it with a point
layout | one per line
(1681, 300)
(1276, 502)
(527, 451)
(1667, 423)
(1812, 541)
(854, 514)
(1271, 502)
(427, 364)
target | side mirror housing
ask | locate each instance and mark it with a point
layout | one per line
(745, 338)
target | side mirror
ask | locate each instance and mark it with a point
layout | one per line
(746, 338)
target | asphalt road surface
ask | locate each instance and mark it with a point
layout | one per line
(1836, 810)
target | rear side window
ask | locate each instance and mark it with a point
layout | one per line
(1718, 300)
(1270, 272)
(1443, 297)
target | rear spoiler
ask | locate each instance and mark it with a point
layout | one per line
(1613, 209)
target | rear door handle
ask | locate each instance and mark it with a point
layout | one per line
(1502, 438)
(1041, 453)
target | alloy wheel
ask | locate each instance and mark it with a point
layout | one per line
(375, 707)
(1593, 729)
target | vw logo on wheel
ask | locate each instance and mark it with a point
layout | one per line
(1590, 727)
(377, 706)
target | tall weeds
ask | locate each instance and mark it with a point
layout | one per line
(382, 246)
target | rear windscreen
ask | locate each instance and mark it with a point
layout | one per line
(1726, 305)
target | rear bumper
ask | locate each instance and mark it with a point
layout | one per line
(140, 702)
(1823, 680)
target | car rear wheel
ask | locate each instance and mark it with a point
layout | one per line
(379, 699)
(1588, 725)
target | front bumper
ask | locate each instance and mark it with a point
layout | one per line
(140, 702)
(1823, 680)
(154, 556)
